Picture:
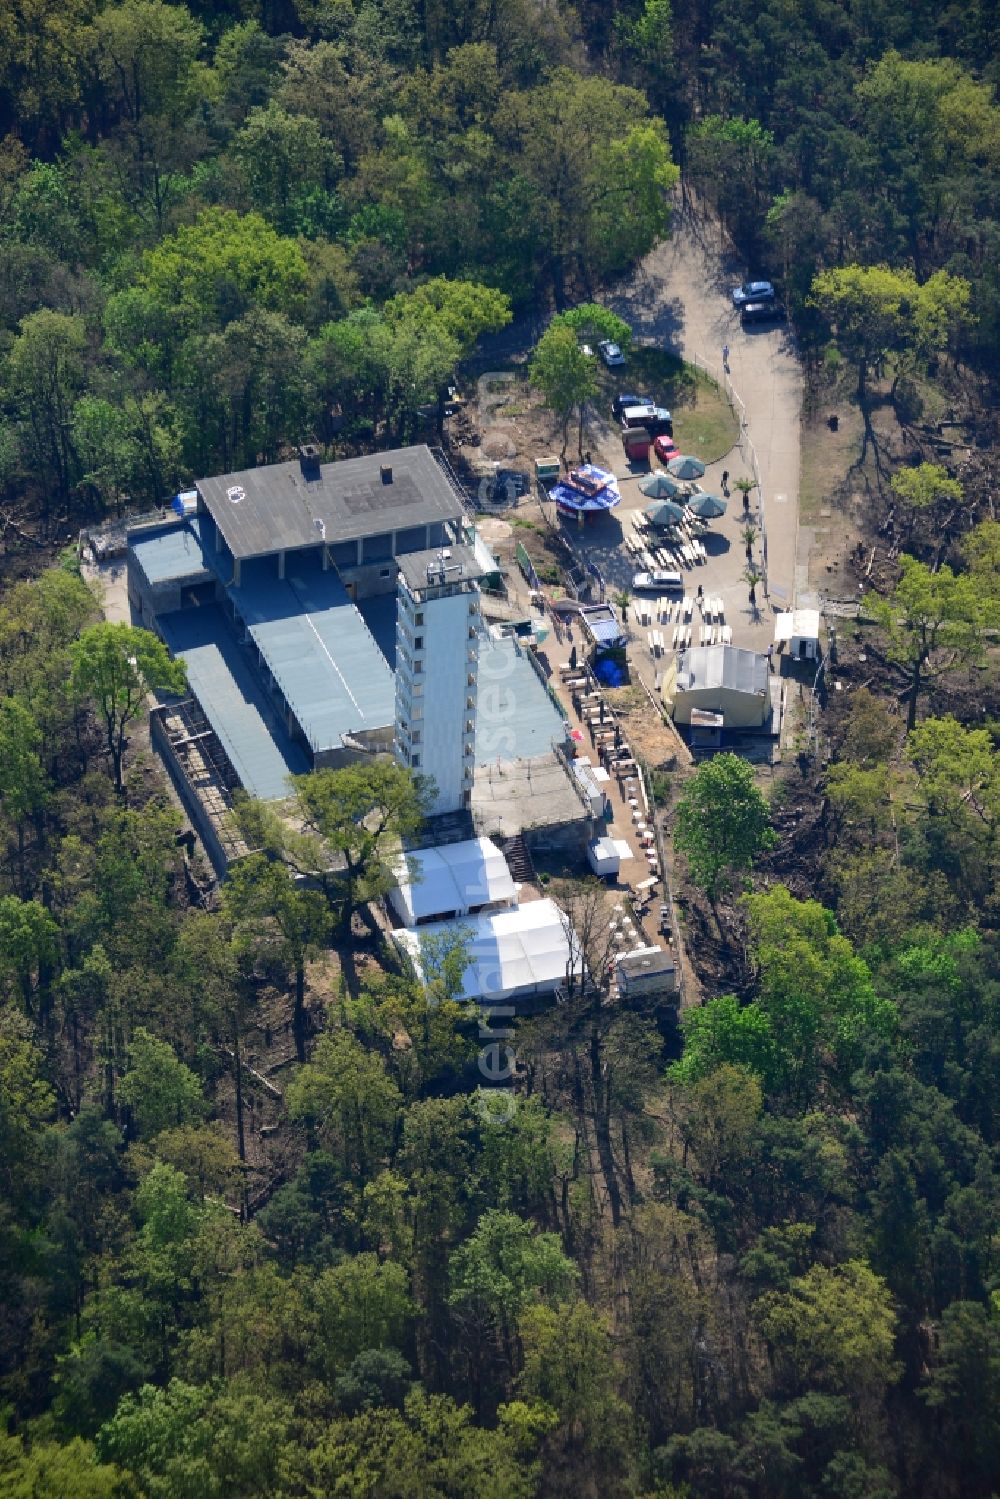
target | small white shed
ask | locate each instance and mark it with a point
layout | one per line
(603, 857)
(799, 630)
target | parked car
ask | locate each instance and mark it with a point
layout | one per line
(656, 581)
(610, 353)
(665, 448)
(762, 312)
(655, 419)
(587, 351)
(752, 291)
(623, 400)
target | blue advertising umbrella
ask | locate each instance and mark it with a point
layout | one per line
(708, 506)
(659, 487)
(686, 468)
(664, 513)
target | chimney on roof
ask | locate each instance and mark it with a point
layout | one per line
(309, 460)
(386, 471)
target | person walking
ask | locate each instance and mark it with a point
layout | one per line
(725, 358)
(701, 594)
(753, 596)
(725, 481)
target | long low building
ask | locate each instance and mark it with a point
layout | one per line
(515, 954)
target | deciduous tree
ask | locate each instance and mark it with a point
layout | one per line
(878, 312)
(564, 374)
(722, 823)
(44, 376)
(933, 622)
(158, 1089)
(346, 1096)
(114, 666)
(833, 1329)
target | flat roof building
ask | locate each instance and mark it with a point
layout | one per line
(286, 506)
(331, 610)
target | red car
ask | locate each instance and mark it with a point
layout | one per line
(665, 448)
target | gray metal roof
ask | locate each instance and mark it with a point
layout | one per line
(645, 961)
(256, 741)
(275, 509)
(715, 667)
(174, 552)
(515, 717)
(421, 570)
(318, 648)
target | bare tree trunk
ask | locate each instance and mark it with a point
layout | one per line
(299, 1012)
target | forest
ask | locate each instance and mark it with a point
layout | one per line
(755, 1261)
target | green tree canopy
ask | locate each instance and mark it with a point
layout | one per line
(878, 312)
(114, 666)
(52, 1470)
(352, 821)
(834, 1329)
(598, 171)
(201, 278)
(816, 1008)
(722, 823)
(934, 621)
(159, 1090)
(44, 375)
(346, 1095)
(507, 1263)
(564, 374)
(925, 484)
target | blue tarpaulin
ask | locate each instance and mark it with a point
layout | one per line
(609, 672)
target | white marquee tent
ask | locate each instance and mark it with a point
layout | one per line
(511, 953)
(452, 881)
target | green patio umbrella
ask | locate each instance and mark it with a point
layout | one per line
(708, 506)
(660, 487)
(686, 468)
(664, 513)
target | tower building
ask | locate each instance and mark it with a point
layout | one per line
(438, 628)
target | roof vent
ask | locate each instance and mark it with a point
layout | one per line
(235, 493)
(309, 460)
(385, 470)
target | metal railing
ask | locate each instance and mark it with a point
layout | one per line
(457, 487)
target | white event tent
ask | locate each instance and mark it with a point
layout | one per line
(512, 953)
(452, 880)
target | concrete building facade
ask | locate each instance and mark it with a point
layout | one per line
(438, 629)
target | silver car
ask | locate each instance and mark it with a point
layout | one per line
(655, 581)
